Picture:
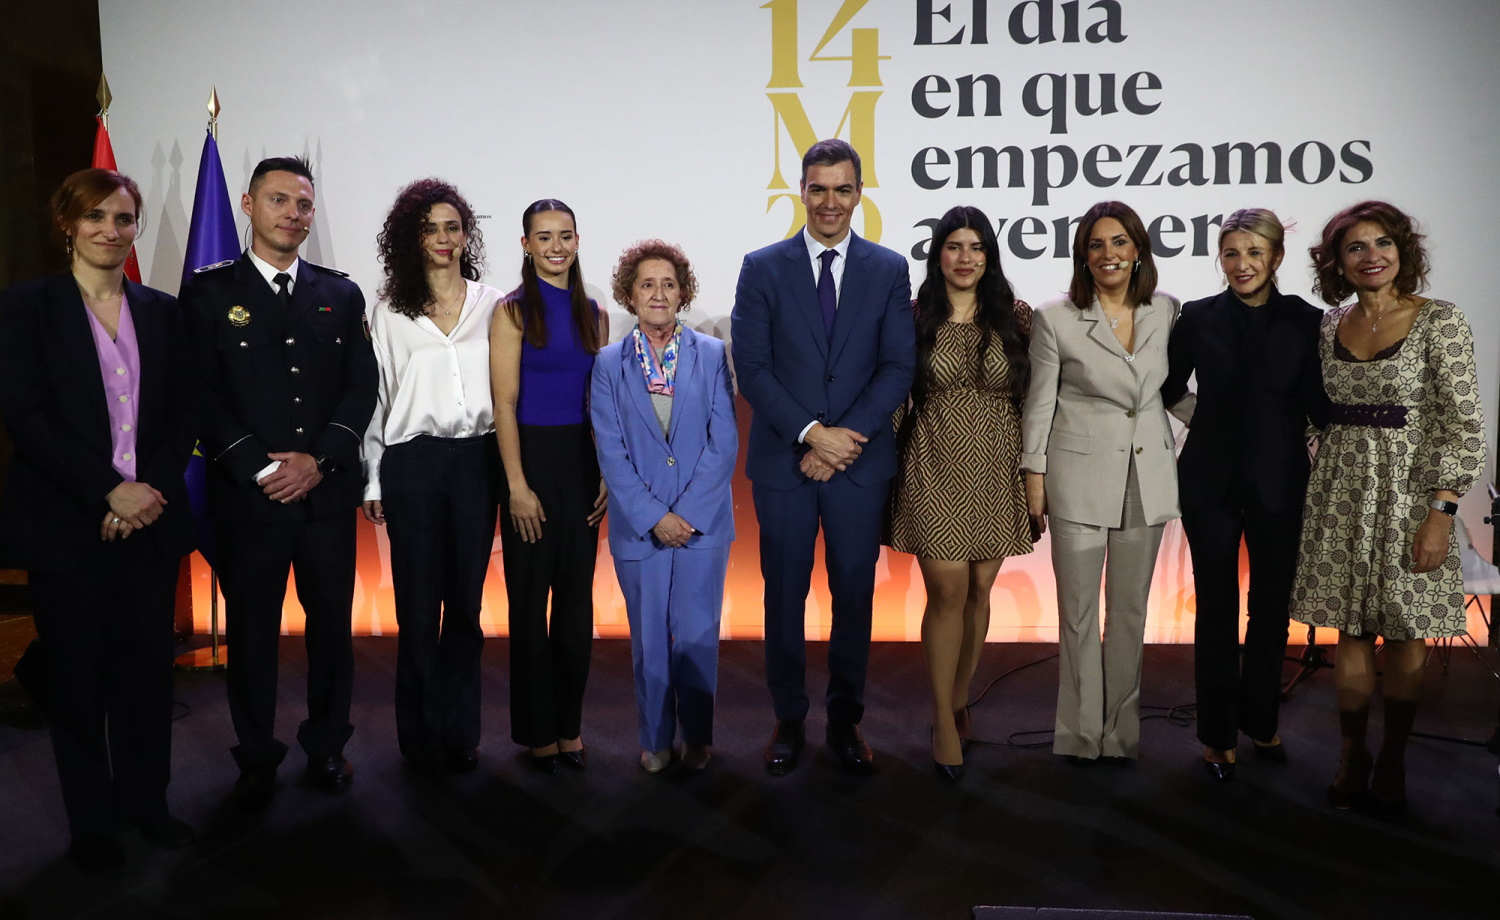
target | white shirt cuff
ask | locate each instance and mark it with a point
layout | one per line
(267, 470)
(803, 433)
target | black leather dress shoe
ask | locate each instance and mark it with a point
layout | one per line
(255, 787)
(331, 774)
(545, 763)
(785, 747)
(168, 833)
(97, 853)
(850, 748)
(462, 761)
(576, 759)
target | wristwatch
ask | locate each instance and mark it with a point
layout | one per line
(327, 464)
(1448, 508)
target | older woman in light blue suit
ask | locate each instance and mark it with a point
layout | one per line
(663, 411)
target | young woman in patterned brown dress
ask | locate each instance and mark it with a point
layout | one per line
(1405, 439)
(959, 503)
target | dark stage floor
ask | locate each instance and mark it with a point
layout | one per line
(1023, 828)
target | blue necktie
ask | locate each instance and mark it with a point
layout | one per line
(827, 294)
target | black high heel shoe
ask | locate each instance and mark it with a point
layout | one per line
(1220, 770)
(1352, 783)
(963, 720)
(951, 772)
(543, 763)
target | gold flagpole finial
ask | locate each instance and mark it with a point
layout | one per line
(104, 98)
(213, 113)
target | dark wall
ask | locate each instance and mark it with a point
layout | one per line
(49, 73)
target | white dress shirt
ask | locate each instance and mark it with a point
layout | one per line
(815, 252)
(430, 383)
(269, 272)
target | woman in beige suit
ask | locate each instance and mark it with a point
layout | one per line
(1097, 451)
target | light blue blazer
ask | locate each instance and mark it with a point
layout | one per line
(689, 470)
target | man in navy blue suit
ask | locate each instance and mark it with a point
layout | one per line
(824, 349)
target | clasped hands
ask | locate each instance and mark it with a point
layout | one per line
(132, 506)
(297, 476)
(831, 450)
(673, 531)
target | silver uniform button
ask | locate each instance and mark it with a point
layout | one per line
(297, 400)
(291, 341)
(296, 371)
(298, 430)
(244, 344)
(671, 461)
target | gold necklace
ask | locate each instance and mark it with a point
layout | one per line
(1375, 323)
(449, 311)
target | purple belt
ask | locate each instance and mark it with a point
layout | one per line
(1368, 416)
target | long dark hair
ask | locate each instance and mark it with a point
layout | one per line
(524, 304)
(994, 307)
(399, 244)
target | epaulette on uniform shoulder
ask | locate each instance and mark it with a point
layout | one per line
(324, 268)
(209, 268)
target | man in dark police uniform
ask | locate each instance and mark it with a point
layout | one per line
(288, 385)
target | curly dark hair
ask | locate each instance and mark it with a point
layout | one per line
(1411, 277)
(994, 313)
(399, 244)
(623, 281)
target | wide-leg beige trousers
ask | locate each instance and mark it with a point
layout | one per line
(1099, 682)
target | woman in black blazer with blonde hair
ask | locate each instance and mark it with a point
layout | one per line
(94, 392)
(1243, 473)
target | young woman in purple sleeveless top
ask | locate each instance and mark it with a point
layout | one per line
(542, 345)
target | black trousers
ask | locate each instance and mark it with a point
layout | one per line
(254, 559)
(439, 497)
(850, 515)
(107, 628)
(1239, 690)
(549, 660)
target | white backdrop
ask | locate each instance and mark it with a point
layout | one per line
(686, 121)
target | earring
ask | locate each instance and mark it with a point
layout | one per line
(526, 254)
(68, 245)
(1136, 266)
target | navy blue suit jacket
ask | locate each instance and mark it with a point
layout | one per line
(53, 402)
(792, 373)
(278, 380)
(688, 470)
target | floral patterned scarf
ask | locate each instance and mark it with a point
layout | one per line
(660, 377)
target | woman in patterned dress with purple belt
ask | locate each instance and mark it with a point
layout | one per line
(1405, 440)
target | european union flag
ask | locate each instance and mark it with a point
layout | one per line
(211, 234)
(211, 239)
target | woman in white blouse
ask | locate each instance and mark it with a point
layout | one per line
(431, 466)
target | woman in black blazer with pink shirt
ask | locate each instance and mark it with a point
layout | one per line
(94, 393)
(1243, 473)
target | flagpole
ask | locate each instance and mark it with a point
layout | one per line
(216, 656)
